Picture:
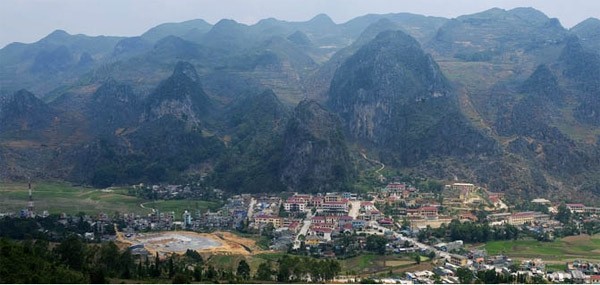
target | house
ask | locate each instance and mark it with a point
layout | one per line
(343, 220)
(333, 198)
(467, 216)
(358, 224)
(295, 204)
(395, 188)
(313, 240)
(268, 219)
(386, 222)
(458, 191)
(367, 206)
(458, 260)
(427, 212)
(324, 233)
(294, 226)
(324, 225)
(316, 201)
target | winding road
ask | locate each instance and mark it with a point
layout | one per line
(373, 161)
(144, 207)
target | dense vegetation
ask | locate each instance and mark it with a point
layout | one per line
(514, 110)
(73, 261)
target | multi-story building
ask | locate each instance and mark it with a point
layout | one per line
(576, 208)
(341, 206)
(294, 204)
(266, 219)
(521, 218)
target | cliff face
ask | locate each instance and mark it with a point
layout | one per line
(315, 157)
(392, 95)
(23, 112)
(181, 96)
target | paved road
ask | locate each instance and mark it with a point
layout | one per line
(303, 230)
(354, 209)
(144, 207)
(420, 245)
(374, 161)
(251, 208)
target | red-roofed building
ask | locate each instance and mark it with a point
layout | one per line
(343, 220)
(386, 222)
(396, 186)
(367, 206)
(424, 212)
(576, 208)
(294, 226)
(320, 232)
(295, 204)
(318, 219)
(316, 201)
(324, 225)
(467, 216)
(347, 227)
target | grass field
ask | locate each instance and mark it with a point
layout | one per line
(559, 251)
(57, 197)
(367, 264)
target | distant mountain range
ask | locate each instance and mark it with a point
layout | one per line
(507, 99)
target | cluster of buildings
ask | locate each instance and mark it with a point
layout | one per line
(169, 192)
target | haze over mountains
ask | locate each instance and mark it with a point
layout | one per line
(507, 99)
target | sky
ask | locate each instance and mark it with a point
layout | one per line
(30, 20)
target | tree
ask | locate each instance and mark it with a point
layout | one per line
(155, 272)
(264, 272)
(97, 276)
(210, 272)
(171, 267)
(465, 276)
(194, 255)
(564, 214)
(417, 258)
(376, 243)
(180, 278)
(72, 252)
(243, 270)
(197, 273)
(108, 258)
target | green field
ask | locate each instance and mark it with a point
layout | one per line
(179, 206)
(59, 197)
(367, 264)
(567, 249)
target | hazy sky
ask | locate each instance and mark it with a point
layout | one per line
(29, 20)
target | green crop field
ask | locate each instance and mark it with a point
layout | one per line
(566, 249)
(60, 197)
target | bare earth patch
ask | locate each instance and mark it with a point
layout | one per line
(179, 242)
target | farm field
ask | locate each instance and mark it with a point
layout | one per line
(566, 249)
(61, 197)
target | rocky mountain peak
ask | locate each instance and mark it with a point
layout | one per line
(322, 19)
(186, 69)
(315, 156)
